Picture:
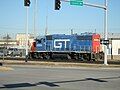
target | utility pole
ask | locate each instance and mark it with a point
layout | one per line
(35, 16)
(72, 32)
(46, 28)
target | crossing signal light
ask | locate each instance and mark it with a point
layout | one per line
(27, 3)
(57, 4)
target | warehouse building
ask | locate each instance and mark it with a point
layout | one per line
(114, 46)
(21, 39)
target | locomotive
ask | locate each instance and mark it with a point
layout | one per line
(85, 46)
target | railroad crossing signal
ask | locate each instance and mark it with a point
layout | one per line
(57, 4)
(27, 3)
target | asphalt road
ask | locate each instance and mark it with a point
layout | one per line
(52, 78)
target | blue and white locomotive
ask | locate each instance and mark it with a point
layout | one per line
(83, 46)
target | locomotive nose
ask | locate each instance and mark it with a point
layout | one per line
(33, 47)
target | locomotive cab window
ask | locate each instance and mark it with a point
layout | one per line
(84, 38)
(88, 37)
(43, 39)
(80, 38)
(38, 40)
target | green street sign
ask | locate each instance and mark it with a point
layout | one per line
(76, 2)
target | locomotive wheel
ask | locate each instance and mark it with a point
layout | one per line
(88, 58)
(93, 57)
(68, 57)
(47, 57)
(76, 57)
(101, 55)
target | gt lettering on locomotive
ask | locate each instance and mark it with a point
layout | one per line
(58, 43)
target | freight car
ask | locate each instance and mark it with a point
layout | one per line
(85, 46)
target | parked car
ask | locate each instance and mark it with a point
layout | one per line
(14, 52)
(1, 54)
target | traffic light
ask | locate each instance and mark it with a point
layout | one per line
(27, 3)
(57, 4)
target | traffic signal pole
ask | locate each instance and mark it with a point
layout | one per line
(105, 31)
(26, 33)
(105, 25)
(105, 7)
(26, 4)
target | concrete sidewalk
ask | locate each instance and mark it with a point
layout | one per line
(57, 64)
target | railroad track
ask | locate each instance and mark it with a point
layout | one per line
(63, 60)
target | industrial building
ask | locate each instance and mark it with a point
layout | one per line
(21, 39)
(114, 45)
